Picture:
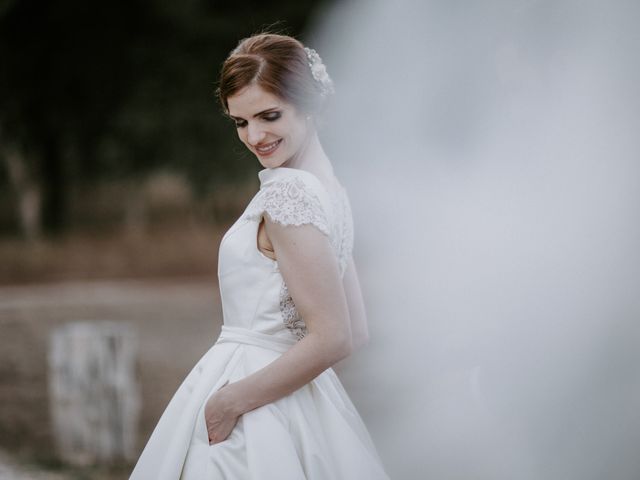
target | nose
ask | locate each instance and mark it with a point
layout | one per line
(255, 133)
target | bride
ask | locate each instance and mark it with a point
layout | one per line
(264, 401)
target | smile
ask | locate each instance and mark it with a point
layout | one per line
(268, 149)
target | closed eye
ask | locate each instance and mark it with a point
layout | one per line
(269, 117)
(272, 117)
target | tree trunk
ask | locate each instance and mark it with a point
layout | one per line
(28, 195)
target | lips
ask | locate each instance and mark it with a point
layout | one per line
(268, 148)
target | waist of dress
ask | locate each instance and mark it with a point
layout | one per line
(230, 334)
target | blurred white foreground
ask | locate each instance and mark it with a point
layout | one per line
(491, 154)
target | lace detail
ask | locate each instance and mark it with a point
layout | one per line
(290, 202)
(290, 315)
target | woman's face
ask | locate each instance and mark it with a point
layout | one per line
(272, 129)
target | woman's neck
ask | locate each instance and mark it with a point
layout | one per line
(312, 158)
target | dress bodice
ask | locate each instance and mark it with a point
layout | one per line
(254, 294)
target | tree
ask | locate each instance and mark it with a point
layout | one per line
(91, 90)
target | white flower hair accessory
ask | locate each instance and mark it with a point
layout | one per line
(319, 72)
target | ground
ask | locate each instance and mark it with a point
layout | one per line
(176, 321)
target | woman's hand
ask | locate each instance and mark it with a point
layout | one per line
(220, 415)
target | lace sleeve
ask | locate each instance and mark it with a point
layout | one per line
(290, 201)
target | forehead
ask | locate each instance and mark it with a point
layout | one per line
(250, 100)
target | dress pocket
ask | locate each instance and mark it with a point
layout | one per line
(203, 416)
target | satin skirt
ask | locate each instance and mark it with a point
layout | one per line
(315, 433)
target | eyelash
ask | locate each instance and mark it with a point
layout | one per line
(272, 118)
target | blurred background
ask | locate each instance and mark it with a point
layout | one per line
(490, 151)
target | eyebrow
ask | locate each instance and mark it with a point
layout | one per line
(257, 114)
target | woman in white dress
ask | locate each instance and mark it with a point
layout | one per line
(263, 402)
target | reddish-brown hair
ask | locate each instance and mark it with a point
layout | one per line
(278, 64)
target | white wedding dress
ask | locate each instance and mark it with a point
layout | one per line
(315, 433)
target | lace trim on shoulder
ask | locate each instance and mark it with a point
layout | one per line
(289, 201)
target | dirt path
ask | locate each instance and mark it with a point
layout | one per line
(9, 470)
(175, 321)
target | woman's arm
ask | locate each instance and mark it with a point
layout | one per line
(310, 270)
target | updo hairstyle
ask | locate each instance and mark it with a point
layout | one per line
(279, 65)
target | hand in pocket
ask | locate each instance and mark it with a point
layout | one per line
(220, 415)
